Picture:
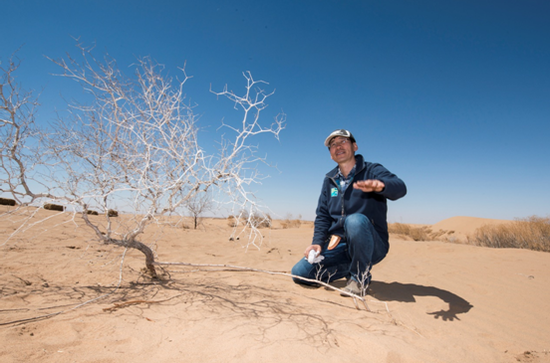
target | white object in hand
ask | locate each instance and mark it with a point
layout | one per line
(314, 257)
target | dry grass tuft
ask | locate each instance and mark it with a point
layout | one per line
(423, 233)
(416, 233)
(56, 207)
(530, 233)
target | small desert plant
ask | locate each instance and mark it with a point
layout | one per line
(92, 212)
(112, 213)
(6, 201)
(530, 233)
(50, 206)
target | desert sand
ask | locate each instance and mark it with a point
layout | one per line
(430, 301)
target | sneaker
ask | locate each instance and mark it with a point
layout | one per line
(355, 288)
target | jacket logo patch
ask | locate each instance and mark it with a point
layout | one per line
(334, 192)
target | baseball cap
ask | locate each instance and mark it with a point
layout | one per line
(340, 132)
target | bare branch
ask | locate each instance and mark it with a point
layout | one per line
(19, 154)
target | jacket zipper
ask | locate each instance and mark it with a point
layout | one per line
(341, 198)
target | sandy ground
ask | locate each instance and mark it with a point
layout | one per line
(429, 301)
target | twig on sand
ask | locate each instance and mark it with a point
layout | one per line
(280, 273)
(355, 298)
(136, 302)
(45, 316)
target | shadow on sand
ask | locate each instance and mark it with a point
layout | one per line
(395, 291)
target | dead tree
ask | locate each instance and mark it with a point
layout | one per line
(198, 205)
(134, 147)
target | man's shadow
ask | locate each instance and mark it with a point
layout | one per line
(395, 291)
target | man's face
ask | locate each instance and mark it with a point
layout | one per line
(342, 149)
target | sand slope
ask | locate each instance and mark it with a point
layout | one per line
(466, 225)
(431, 302)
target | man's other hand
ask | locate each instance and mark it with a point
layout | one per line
(317, 249)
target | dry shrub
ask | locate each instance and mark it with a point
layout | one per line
(530, 233)
(290, 222)
(443, 235)
(112, 213)
(255, 220)
(416, 233)
(309, 224)
(294, 223)
(260, 221)
(232, 221)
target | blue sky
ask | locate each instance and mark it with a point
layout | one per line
(452, 96)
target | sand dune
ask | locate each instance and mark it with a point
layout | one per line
(430, 301)
(465, 225)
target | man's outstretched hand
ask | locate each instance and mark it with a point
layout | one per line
(370, 185)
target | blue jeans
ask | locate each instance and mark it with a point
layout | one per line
(361, 248)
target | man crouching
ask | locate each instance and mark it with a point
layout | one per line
(351, 230)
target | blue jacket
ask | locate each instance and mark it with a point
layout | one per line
(333, 206)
